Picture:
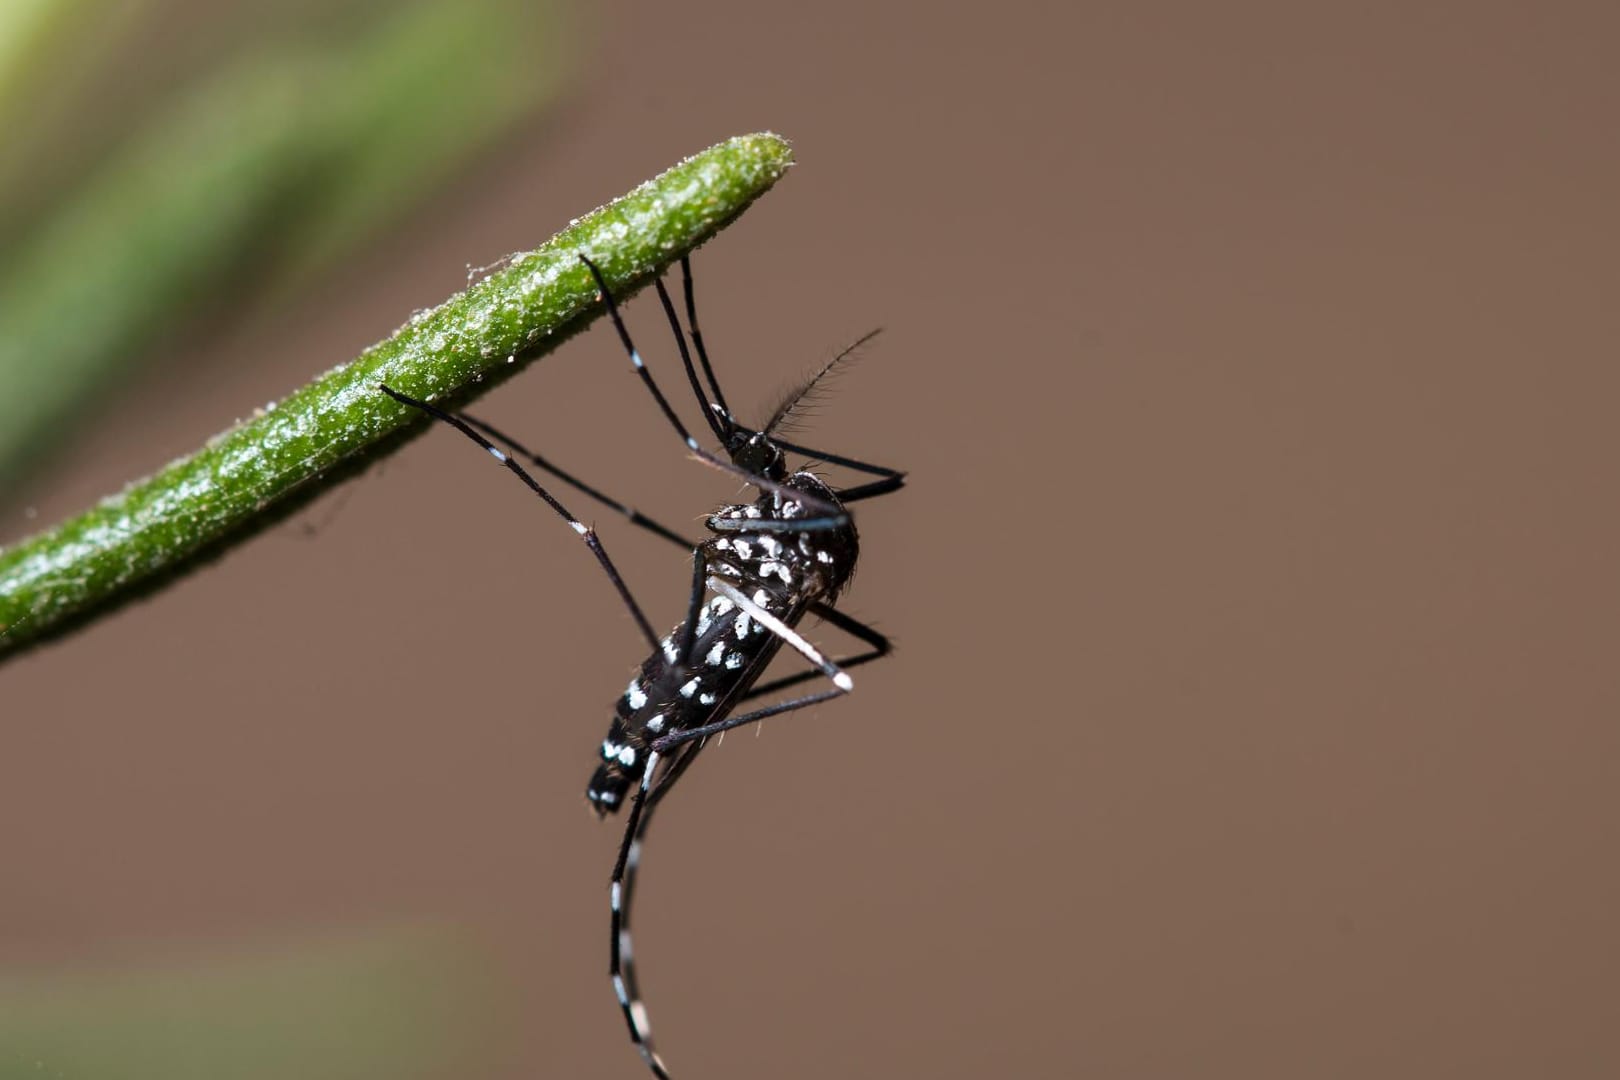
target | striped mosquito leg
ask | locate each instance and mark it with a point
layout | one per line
(687, 735)
(880, 647)
(697, 337)
(635, 517)
(789, 636)
(833, 513)
(622, 967)
(585, 532)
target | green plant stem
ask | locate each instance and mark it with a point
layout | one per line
(243, 477)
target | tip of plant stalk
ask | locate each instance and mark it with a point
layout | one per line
(766, 145)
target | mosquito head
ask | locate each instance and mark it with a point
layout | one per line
(757, 453)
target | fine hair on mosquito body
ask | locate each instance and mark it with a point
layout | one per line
(766, 564)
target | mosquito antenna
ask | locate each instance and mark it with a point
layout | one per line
(806, 390)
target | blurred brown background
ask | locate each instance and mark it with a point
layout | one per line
(1254, 708)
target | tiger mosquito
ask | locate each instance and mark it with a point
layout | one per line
(766, 565)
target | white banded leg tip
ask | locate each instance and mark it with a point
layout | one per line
(843, 682)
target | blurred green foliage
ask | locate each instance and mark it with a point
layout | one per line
(263, 168)
(384, 1005)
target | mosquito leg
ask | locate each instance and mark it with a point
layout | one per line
(818, 506)
(872, 490)
(687, 638)
(715, 423)
(839, 459)
(634, 516)
(892, 479)
(587, 534)
(778, 525)
(790, 637)
(880, 647)
(621, 965)
(697, 337)
(677, 738)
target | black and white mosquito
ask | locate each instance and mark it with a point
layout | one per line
(768, 564)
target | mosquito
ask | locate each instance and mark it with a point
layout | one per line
(766, 564)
